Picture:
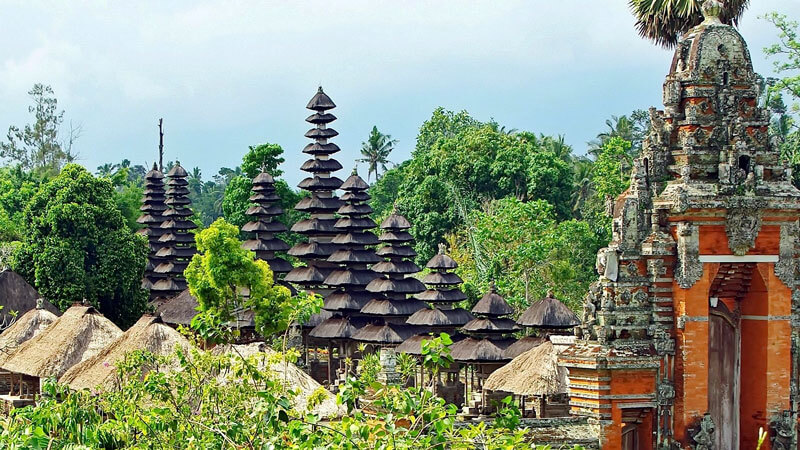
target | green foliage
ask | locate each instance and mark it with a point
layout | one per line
(436, 353)
(220, 274)
(526, 251)
(17, 187)
(611, 173)
(460, 163)
(77, 247)
(784, 127)
(39, 147)
(508, 414)
(663, 21)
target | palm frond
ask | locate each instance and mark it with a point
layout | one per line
(664, 21)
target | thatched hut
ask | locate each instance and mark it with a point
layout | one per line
(534, 373)
(181, 309)
(26, 327)
(79, 334)
(549, 313)
(285, 372)
(16, 295)
(149, 333)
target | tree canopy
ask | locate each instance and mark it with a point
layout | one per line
(78, 248)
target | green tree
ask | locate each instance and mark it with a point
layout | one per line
(460, 163)
(77, 247)
(226, 279)
(375, 152)
(40, 146)
(523, 248)
(664, 21)
(17, 187)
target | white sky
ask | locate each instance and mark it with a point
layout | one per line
(227, 74)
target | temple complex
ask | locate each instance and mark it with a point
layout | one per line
(689, 337)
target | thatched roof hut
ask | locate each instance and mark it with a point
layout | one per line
(178, 310)
(79, 334)
(535, 372)
(523, 345)
(26, 327)
(295, 378)
(149, 333)
(19, 296)
(549, 313)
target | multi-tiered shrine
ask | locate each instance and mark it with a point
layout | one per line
(689, 338)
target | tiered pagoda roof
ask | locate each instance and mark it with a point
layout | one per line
(322, 204)
(489, 333)
(390, 305)
(441, 316)
(178, 240)
(547, 314)
(353, 257)
(153, 208)
(264, 226)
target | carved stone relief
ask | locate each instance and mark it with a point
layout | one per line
(689, 268)
(742, 226)
(786, 267)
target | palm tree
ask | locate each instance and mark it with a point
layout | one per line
(664, 21)
(376, 152)
(106, 170)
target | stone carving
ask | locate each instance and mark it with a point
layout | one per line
(663, 342)
(786, 267)
(607, 263)
(742, 226)
(666, 393)
(689, 268)
(656, 268)
(781, 436)
(703, 436)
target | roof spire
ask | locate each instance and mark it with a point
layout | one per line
(711, 10)
(442, 248)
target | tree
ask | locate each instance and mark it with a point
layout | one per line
(221, 272)
(460, 163)
(525, 251)
(375, 152)
(664, 21)
(17, 187)
(40, 146)
(632, 128)
(77, 247)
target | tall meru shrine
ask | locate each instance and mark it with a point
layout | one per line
(688, 339)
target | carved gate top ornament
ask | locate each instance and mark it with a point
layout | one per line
(742, 226)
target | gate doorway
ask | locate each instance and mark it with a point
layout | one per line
(723, 375)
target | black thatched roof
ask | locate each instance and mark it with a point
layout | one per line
(346, 301)
(350, 277)
(314, 226)
(474, 350)
(392, 307)
(549, 312)
(435, 317)
(16, 295)
(490, 325)
(395, 222)
(365, 256)
(522, 346)
(308, 275)
(392, 286)
(441, 296)
(396, 267)
(317, 183)
(316, 148)
(177, 171)
(399, 251)
(442, 279)
(355, 238)
(413, 345)
(320, 101)
(386, 334)
(178, 310)
(492, 304)
(317, 319)
(318, 118)
(337, 328)
(354, 183)
(442, 261)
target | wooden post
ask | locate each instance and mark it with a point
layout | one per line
(160, 145)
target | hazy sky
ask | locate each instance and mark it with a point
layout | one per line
(228, 74)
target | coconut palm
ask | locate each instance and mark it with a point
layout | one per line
(376, 152)
(663, 21)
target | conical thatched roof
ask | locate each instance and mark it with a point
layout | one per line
(149, 333)
(78, 335)
(295, 378)
(535, 372)
(29, 325)
(17, 295)
(548, 313)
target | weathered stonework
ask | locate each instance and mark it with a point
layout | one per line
(710, 221)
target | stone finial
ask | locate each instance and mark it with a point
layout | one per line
(442, 248)
(711, 10)
(39, 303)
